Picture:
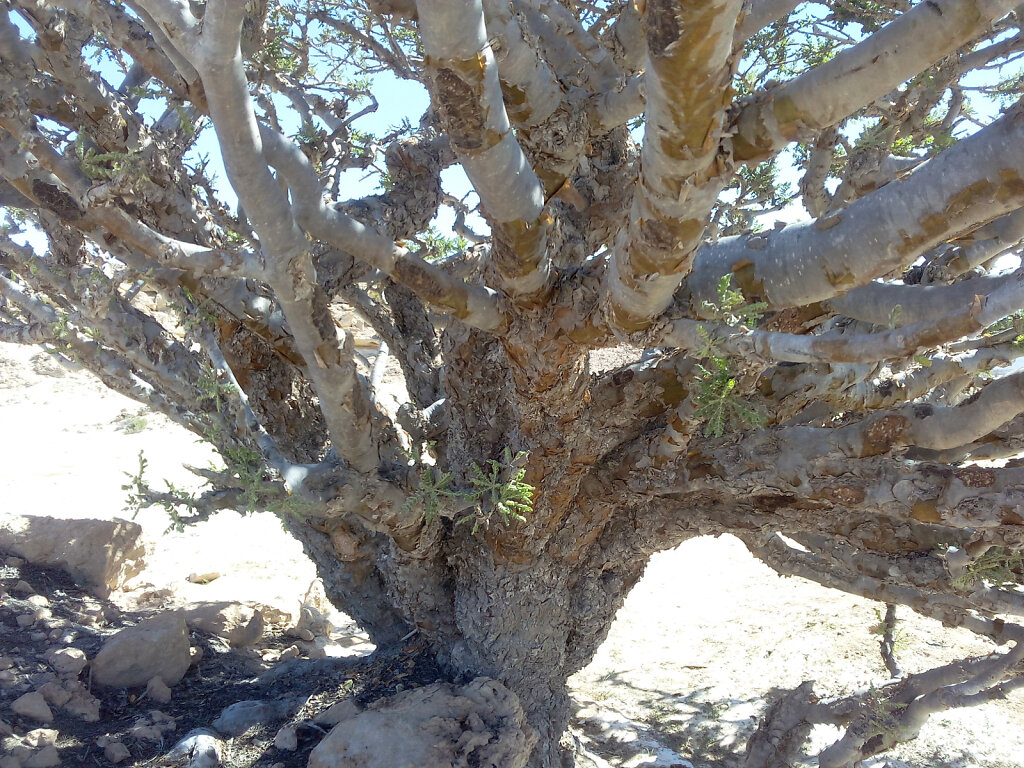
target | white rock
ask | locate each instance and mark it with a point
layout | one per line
(156, 647)
(116, 752)
(202, 748)
(54, 694)
(202, 578)
(41, 737)
(340, 710)
(67, 661)
(33, 706)
(243, 715)
(287, 739)
(99, 554)
(157, 691)
(239, 624)
(81, 703)
(481, 723)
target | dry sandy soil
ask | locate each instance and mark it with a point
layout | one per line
(703, 640)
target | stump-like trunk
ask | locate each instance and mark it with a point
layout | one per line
(529, 625)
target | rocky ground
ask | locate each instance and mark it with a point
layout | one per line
(703, 642)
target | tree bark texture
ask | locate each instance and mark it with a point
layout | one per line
(838, 392)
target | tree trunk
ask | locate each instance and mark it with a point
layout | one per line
(528, 625)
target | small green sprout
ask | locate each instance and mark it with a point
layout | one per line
(732, 306)
(510, 496)
(717, 402)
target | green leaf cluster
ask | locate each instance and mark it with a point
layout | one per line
(732, 306)
(434, 489)
(508, 495)
(999, 566)
(499, 487)
(108, 165)
(718, 404)
(1014, 322)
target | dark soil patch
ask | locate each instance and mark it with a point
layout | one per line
(222, 676)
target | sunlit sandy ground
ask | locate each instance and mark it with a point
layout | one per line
(704, 637)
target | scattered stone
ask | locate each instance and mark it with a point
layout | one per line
(33, 706)
(157, 690)
(287, 739)
(37, 600)
(7, 678)
(10, 761)
(202, 578)
(154, 726)
(82, 704)
(481, 723)
(22, 588)
(41, 737)
(6, 662)
(202, 747)
(334, 714)
(239, 624)
(37, 636)
(116, 752)
(291, 652)
(5, 729)
(243, 715)
(13, 562)
(55, 694)
(101, 555)
(47, 757)
(311, 624)
(67, 636)
(26, 620)
(156, 647)
(67, 661)
(302, 633)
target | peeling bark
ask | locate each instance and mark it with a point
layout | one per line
(823, 390)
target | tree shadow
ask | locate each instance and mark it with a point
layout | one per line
(706, 729)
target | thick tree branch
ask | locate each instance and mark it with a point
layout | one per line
(951, 610)
(353, 423)
(876, 302)
(467, 92)
(965, 186)
(25, 333)
(760, 14)
(474, 305)
(858, 75)
(973, 313)
(533, 90)
(690, 60)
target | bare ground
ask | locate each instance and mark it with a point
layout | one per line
(707, 637)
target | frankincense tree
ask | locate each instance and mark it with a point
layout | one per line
(839, 392)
